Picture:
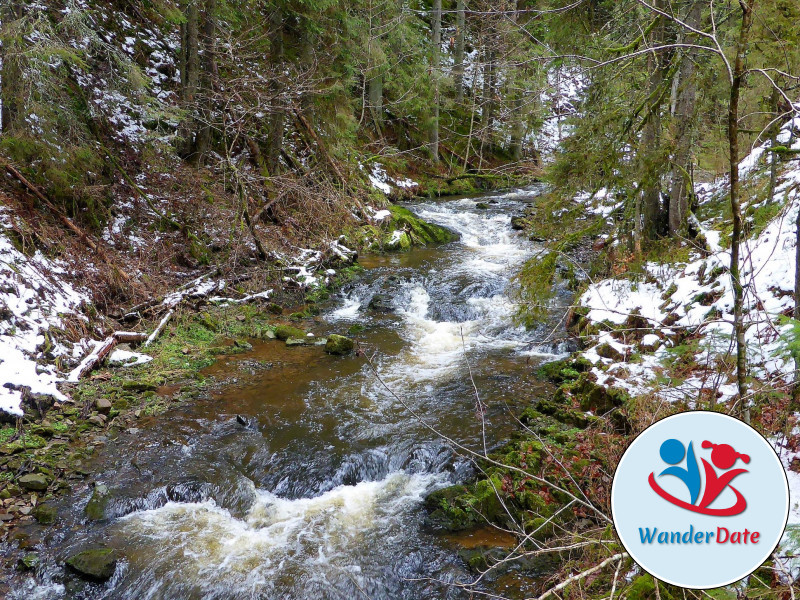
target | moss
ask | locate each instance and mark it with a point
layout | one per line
(339, 344)
(568, 369)
(284, 332)
(421, 233)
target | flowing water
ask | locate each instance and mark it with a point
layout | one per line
(320, 494)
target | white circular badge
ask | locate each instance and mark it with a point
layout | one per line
(700, 500)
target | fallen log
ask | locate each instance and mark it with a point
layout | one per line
(101, 352)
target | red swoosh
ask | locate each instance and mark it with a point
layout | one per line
(737, 508)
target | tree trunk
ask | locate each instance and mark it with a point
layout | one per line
(736, 209)
(684, 134)
(517, 121)
(203, 137)
(375, 100)
(487, 106)
(276, 119)
(796, 314)
(458, 57)
(11, 76)
(436, 26)
(650, 212)
(190, 76)
(773, 156)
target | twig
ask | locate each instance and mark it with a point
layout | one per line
(582, 575)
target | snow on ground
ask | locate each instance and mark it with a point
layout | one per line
(381, 180)
(33, 298)
(696, 296)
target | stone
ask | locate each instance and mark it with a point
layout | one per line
(482, 206)
(97, 564)
(518, 223)
(96, 508)
(6, 517)
(339, 344)
(103, 405)
(28, 561)
(381, 303)
(45, 513)
(97, 420)
(606, 350)
(293, 341)
(34, 481)
(284, 332)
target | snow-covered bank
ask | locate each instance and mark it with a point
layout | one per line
(34, 297)
(694, 298)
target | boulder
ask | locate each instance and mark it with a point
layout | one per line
(284, 332)
(97, 564)
(45, 513)
(381, 303)
(34, 481)
(482, 206)
(103, 405)
(606, 350)
(96, 508)
(339, 344)
(28, 561)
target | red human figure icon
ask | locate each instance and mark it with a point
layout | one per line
(724, 457)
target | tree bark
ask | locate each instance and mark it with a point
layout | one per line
(650, 142)
(436, 26)
(684, 134)
(796, 312)
(276, 120)
(11, 90)
(375, 100)
(203, 136)
(190, 76)
(739, 74)
(458, 57)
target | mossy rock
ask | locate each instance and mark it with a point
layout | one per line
(96, 508)
(34, 481)
(339, 345)
(606, 350)
(139, 386)
(568, 369)
(356, 328)
(28, 562)
(398, 243)
(420, 233)
(45, 514)
(482, 206)
(284, 332)
(97, 564)
(563, 414)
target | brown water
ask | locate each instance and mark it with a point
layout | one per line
(320, 494)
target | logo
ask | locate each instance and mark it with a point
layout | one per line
(723, 456)
(700, 499)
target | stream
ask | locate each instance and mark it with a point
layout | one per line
(320, 494)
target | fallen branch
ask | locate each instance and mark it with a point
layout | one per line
(582, 575)
(61, 216)
(160, 327)
(101, 352)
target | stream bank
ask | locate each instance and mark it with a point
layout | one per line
(409, 311)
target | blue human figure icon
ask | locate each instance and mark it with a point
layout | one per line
(672, 452)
